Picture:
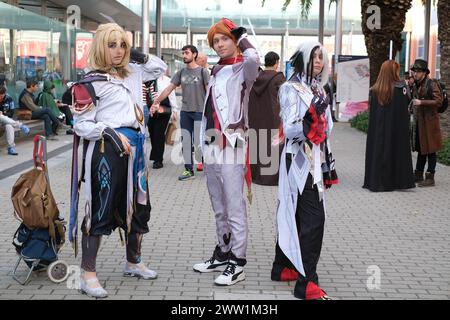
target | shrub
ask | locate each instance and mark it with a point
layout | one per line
(444, 155)
(361, 121)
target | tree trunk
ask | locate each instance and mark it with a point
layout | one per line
(443, 9)
(393, 16)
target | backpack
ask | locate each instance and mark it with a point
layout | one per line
(33, 201)
(441, 86)
(37, 244)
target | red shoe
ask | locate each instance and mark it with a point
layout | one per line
(288, 275)
(314, 292)
(200, 167)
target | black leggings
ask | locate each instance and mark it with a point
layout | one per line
(90, 245)
(422, 160)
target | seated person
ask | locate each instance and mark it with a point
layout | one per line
(26, 102)
(6, 106)
(64, 107)
(46, 99)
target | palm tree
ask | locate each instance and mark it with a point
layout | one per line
(443, 8)
(393, 16)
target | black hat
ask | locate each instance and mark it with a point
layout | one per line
(420, 65)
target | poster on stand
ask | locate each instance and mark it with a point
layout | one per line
(353, 80)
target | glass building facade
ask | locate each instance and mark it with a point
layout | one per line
(35, 47)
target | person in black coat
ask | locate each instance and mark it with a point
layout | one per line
(388, 164)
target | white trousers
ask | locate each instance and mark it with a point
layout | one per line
(9, 124)
(225, 182)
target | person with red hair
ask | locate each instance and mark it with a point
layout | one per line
(224, 142)
(388, 164)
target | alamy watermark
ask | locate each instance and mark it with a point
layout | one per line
(374, 279)
(73, 278)
(374, 20)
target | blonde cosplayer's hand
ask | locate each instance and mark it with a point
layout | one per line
(125, 143)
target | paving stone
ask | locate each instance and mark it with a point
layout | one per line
(404, 233)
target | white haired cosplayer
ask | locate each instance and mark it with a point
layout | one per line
(306, 49)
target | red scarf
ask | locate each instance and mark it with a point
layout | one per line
(233, 60)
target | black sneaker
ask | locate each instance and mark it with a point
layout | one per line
(157, 165)
(217, 262)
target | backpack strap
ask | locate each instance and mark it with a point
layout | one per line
(84, 92)
(39, 152)
(84, 99)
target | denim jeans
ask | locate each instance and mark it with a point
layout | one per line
(190, 123)
(50, 120)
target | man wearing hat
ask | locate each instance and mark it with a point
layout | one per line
(426, 131)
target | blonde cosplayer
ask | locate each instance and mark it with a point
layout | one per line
(98, 54)
(112, 129)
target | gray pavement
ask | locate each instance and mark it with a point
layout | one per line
(402, 236)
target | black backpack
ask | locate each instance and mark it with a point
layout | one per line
(444, 105)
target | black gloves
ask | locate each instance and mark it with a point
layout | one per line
(138, 57)
(307, 122)
(238, 32)
(320, 104)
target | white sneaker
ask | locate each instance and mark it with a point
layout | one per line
(139, 271)
(86, 287)
(232, 274)
(211, 265)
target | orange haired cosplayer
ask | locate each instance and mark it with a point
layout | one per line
(224, 26)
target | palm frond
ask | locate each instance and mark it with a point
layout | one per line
(305, 6)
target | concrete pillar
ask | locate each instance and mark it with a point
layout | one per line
(321, 20)
(158, 27)
(337, 48)
(188, 32)
(44, 9)
(145, 25)
(426, 38)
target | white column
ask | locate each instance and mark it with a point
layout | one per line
(145, 26)
(321, 20)
(158, 27)
(188, 32)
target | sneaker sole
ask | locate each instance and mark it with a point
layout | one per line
(184, 179)
(241, 277)
(221, 269)
(90, 295)
(131, 275)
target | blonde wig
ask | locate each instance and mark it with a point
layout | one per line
(99, 58)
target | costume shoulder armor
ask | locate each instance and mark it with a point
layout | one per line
(83, 91)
